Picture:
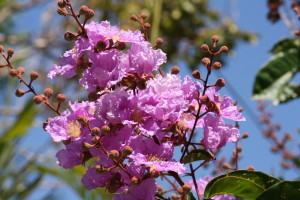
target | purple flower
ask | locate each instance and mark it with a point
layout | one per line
(217, 133)
(92, 180)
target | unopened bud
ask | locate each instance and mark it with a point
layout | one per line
(245, 135)
(90, 14)
(95, 131)
(62, 11)
(196, 74)
(134, 18)
(241, 109)
(83, 10)
(250, 168)
(20, 70)
(205, 61)
(215, 39)
(186, 188)
(95, 140)
(1, 49)
(213, 107)
(67, 142)
(13, 72)
(61, 98)
(216, 66)
(223, 49)
(93, 96)
(144, 15)
(239, 148)
(154, 173)
(86, 146)
(127, 151)
(175, 197)
(226, 166)
(113, 154)
(159, 41)
(101, 45)
(82, 119)
(38, 99)
(135, 181)
(204, 100)
(147, 25)
(69, 36)
(204, 47)
(100, 169)
(19, 92)
(105, 129)
(61, 3)
(48, 92)
(175, 70)
(121, 46)
(34, 75)
(10, 52)
(220, 82)
(274, 149)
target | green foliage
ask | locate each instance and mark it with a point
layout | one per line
(190, 196)
(197, 155)
(273, 81)
(242, 183)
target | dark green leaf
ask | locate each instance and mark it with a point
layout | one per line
(196, 155)
(273, 80)
(285, 44)
(242, 183)
(190, 196)
(282, 191)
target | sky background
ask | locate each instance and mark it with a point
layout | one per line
(240, 71)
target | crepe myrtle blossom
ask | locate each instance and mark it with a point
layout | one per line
(66, 126)
(201, 187)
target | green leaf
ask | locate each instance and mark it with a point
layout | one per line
(273, 80)
(23, 123)
(285, 44)
(196, 155)
(190, 196)
(242, 183)
(281, 191)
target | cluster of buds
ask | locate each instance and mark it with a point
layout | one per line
(273, 14)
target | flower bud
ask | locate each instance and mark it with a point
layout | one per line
(239, 148)
(19, 92)
(82, 119)
(127, 150)
(48, 92)
(67, 142)
(245, 135)
(215, 39)
(61, 98)
(90, 14)
(213, 107)
(216, 66)
(250, 168)
(196, 74)
(101, 45)
(1, 49)
(105, 129)
(121, 46)
(86, 146)
(204, 100)
(205, 61)
(100, 169)
(62, 11)
(186, 188)
(96, 140)
(34, 75)
(61, 3)
(20, 70)
(135, 181)
(13, 72)
(133, 17)
(144, 15)
(69, 36)
(93, 96)
(223, 49)
(175, 70)
(95, 131)
(175, 197)
(147, 26)
(2, 64)
(154, 173)
(226, 166)
(204, 47)
(159, 41)
(241, 109)
(38, 99)
(220, 82)
(83, 10)
(10, 52)
(113, 154)
(46, 123)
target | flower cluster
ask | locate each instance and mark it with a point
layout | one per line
(138, 116)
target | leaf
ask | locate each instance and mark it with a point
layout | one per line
(285, 44)
(273, 80)
(190, 196)
(23, 123)
(196, 155)
(283, 190)
(242, 183)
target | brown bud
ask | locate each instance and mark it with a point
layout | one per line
(245, 135)
(147, 26)
(133, 17)
(144, 15)
(90, 14)
(196, 74)
(1, 49)
(186, 188)
(48, 92)
(86, 146)
(19, 92)
(213, 107)
(175, 70)
(105, 129)
(82, 119)
(95, 131)
(69, 36)
(83, 10)
(250, 168)
(154, 173)
(135, 181)
(216, 66)
(61, 3)
(159, 41)
(205, 61)
(220, 82)
(96, 140)
(113, 154)
(215, 39)
(127, 150)
(121, 46)
(61, 98)
(38, 99)
(13, 72)
(2, 64)
(226, 166)
(239, 148)
(93, 96)
(34, 75)
(223, 49)
(10, 52)
(175, 197)
(204, 47)
(20, 70)
(62, 11)
(274, 149)
(100, 169)
(204, 100)
(67, 142)
(101, 45)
